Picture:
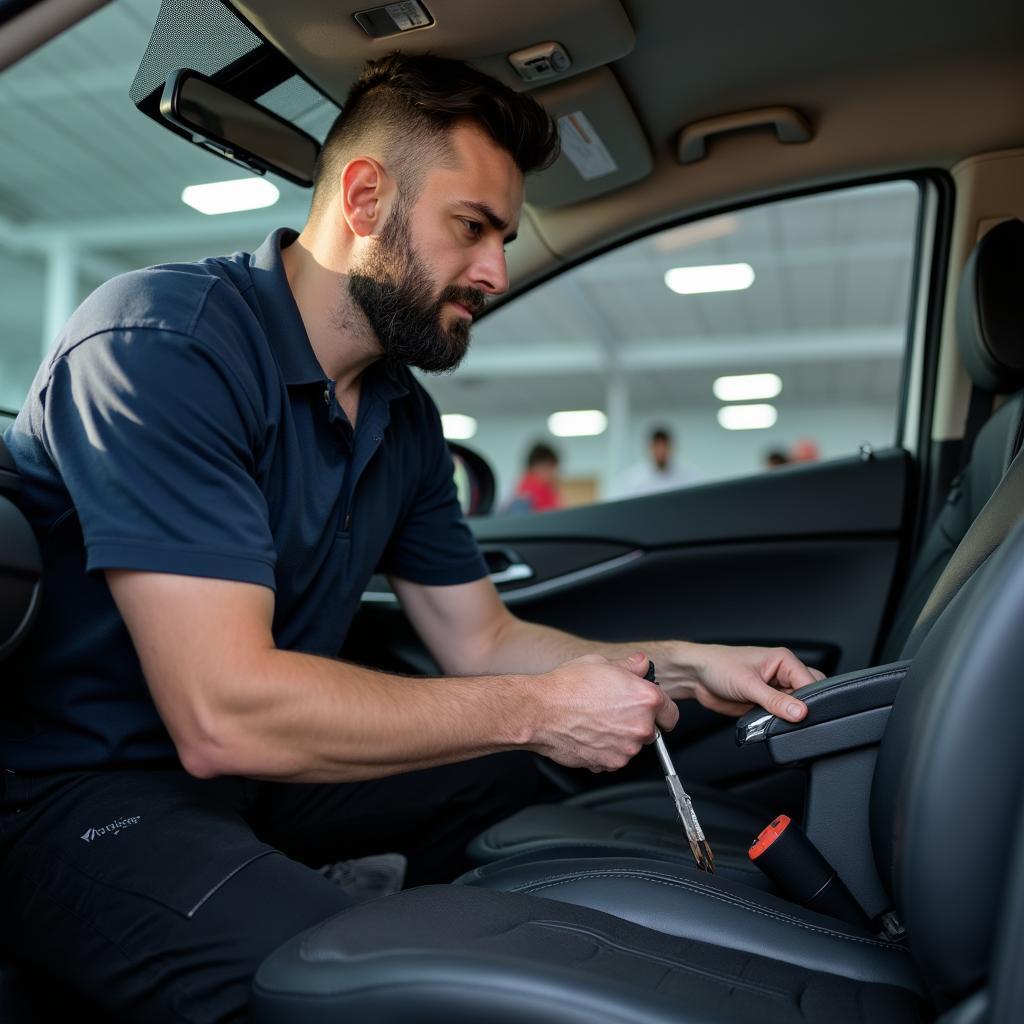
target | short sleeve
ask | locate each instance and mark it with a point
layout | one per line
(432, 543)
(154, 437)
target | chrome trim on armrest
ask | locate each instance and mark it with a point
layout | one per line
(752, 728)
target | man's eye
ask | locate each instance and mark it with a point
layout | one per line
(474, 227)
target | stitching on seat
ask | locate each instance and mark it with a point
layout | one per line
(675, 963)
(556, 880)
(728, 857)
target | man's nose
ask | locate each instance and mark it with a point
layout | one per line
(489, 271)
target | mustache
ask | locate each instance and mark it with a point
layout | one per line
(472, 298)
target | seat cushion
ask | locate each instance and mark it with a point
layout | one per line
(637, 819)
(680, 900)
(461, 956)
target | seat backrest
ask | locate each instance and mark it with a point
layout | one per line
(21, 564)
(990, 335)
(947, 790)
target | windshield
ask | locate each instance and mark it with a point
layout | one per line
(93, 188)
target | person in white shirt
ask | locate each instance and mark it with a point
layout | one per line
(660, 472)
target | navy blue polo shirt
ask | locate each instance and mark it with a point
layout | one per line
(184, 425)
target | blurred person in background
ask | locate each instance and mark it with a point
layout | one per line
(774, 458)
(805, 450)
(537, 490)
(660, 471)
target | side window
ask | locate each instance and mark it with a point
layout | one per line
(723, 347)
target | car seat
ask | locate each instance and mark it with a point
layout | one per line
(627, 940)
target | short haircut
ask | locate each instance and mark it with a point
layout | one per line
(540, 454)
(661, 434)
(403, 108)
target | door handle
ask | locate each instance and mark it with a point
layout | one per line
(511, 573)
(506, 566)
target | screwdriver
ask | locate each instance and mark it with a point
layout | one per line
(694, 833)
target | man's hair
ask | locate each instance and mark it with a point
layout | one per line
(402, 110)
(541, 453)
(661, 434)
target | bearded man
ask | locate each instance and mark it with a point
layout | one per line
(216, 457)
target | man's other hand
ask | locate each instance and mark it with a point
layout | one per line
(732, 680)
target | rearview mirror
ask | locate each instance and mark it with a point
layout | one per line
(236, 129)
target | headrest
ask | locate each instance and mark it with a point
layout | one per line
(990, 310)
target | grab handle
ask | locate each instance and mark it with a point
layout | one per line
(789, 124)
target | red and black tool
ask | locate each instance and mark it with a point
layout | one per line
(799, 870)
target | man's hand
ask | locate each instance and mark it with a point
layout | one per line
(731, 680)
(597, 714)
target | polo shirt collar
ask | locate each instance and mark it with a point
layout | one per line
(286, 331)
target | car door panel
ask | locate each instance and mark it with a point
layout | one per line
(804, 558)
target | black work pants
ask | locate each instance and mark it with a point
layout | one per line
(156, 895)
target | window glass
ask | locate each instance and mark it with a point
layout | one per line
(797, 355)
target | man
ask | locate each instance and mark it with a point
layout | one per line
(537, 489)
(660, 472)
(216, 457)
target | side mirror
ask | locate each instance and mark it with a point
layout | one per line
(474, 480)
(242, 132)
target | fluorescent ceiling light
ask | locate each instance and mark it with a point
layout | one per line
(747, 387)
(722, 277)
(577, 423)
(747, 417)
(231, 196)
(457, 427)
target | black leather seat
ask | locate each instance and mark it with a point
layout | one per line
(637, 817)
(628, 940)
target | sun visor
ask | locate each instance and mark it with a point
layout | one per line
(603, 145)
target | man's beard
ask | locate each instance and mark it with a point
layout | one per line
(393, 289)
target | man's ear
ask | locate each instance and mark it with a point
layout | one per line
(364, 188)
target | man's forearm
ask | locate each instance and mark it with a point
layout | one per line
(725, 679)
(303, 718)
(526, 647)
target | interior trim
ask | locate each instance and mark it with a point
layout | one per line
(551, 586)
(39, 24)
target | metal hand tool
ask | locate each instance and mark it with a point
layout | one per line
(694, 833)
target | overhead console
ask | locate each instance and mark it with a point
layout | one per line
(329, 43)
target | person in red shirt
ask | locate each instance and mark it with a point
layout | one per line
(537, 490)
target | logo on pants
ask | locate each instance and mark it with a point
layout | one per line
(112, 829)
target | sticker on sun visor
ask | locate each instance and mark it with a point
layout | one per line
(584, 148)
(408, 15)
(391, 19)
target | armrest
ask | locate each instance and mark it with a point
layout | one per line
(843, 712)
